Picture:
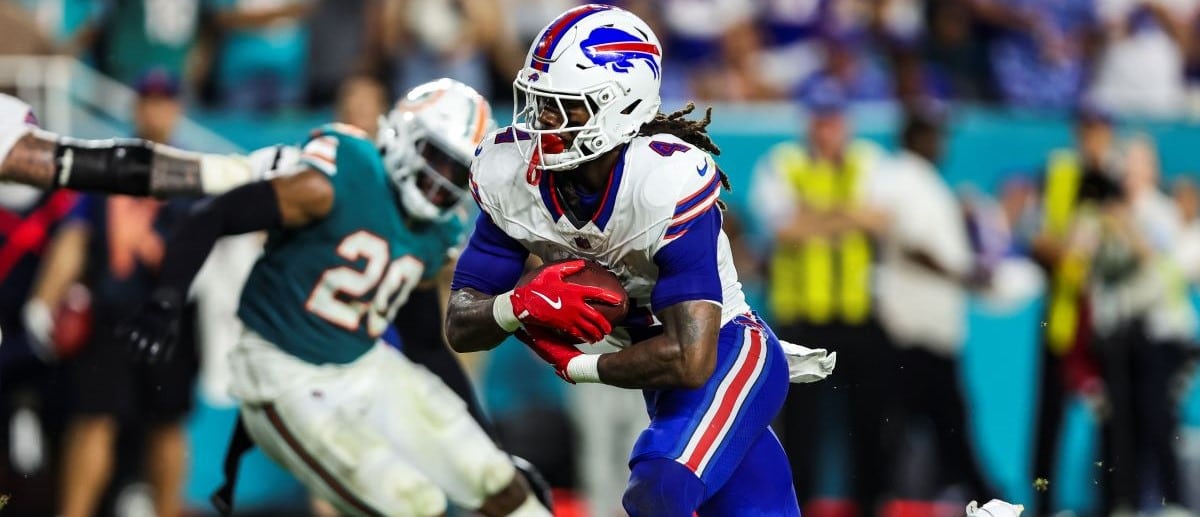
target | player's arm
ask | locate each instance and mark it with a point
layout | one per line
(44, 159)
(687, 297)
(62, 265)
(490, 265)
(683, 356)
(125, 166)
(485, 307)
(285, 202)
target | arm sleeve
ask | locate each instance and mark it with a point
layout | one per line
(492, 262)
(321, 154)
(687, 265)
(245, 209)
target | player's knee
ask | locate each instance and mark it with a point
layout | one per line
(496, 472)
(662, 487)
(400, 486)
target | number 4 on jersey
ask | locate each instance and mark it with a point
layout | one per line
(339, 296)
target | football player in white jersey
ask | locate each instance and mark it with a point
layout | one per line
(591, 169)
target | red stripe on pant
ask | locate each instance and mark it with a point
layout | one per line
(725, 410)
(337, 486)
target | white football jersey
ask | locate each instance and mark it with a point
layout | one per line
(658, 184)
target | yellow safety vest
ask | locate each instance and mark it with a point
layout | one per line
(822, 279)
(1059, 204)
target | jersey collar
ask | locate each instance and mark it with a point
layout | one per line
(604, 211)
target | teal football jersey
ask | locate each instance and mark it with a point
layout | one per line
(326, 291)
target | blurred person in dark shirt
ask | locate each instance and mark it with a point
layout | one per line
(114, 249)
(128, 38)
(953, 56)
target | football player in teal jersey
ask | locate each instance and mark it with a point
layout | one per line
(350, 234)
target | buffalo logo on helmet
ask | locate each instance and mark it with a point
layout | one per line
(618, 50)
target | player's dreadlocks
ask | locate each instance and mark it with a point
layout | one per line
(690, 131)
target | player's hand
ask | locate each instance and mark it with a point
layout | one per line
(152, 332)
(550, 348)
(549, 300)
(38, 320)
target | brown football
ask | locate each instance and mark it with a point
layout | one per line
(596, 275)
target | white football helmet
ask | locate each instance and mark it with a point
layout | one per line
(427, 141)
(601, 55)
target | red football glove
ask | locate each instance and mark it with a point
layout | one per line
(550, 301)
(550, 348)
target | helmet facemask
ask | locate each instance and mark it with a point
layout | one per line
(432, 180)
(589, 139)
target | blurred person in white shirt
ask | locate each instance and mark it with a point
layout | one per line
(1140, 67)
(924, 269)
(1143, 321)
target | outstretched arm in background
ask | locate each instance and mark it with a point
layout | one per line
(44, 159)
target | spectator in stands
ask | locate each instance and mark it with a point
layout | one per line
(428, 39)
(791, 46)
(816, 202)
(1140, 67)
(20, 34)
(953, 57)
(260, 64)
(858, 72)
(116, 254)
(361, 101)
(1040, 53)
(712, 45)
(925, 267)
(130, 37)
(344, 41)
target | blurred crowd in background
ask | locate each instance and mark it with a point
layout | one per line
(1132, 56)
(849, 246)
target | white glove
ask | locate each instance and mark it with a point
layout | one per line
(275, 161)
(220, 173)
(994, 508)
(807, 364)
(16, 119)
(39, 323)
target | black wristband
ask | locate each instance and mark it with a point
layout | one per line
(118, 166)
